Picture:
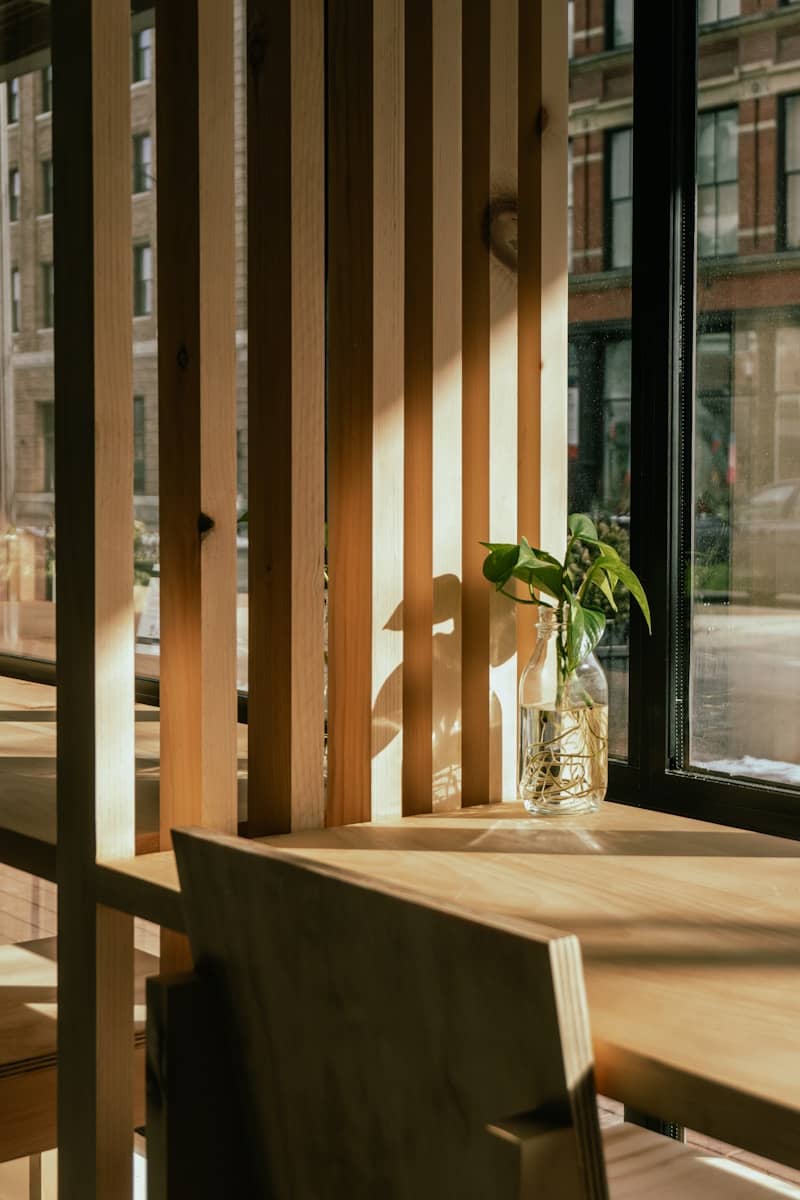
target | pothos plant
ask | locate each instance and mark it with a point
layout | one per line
(573, 594)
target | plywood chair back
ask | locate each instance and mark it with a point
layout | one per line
(389, 1045)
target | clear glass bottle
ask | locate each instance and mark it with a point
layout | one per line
(563, 728)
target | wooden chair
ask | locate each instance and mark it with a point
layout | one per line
(373, 1043)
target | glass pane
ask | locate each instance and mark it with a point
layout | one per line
(706, 221)
(729, 9)
(727, 148)
(599, 396)
(792, 111)
(621, 164)
(744, 686)
(623, 22)
(621, 234)
(793, 211)
(706, 137)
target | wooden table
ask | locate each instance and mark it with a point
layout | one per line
(690, 935)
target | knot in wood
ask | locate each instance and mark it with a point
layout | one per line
(205, 524)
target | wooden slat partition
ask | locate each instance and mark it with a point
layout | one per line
(351, 282)
(418, 412)
(94, 515)
(475, 415)
(197, 387)
(286, 412)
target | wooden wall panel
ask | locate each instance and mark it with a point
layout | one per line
(388, 407)
(447, 402)
(197, 448)
(94, 516)
(286, 413)
(350, 407)
(418, 413)
(475, 413)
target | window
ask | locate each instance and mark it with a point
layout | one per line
(46, 89)
(46, 445)
(142, 162)
(47, 295)
(711, 11)
(571, 28)
(13, 194)
(570, 205)
(620, 30)
(16, 300)
(717, 183)
(12, 100)
(619, 174)
(139, 460)
(791, 166)
(142, 280)
(143, 56)
(47, 186)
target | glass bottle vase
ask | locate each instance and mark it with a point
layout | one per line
(563, 728)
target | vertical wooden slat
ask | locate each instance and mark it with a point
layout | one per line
(503, 393)
(542, 274)
(387, 386)
(94, 517)
(554, 291)
(350, 407)
(447, 396)
(418, 413)
(286, 413)
(196, 376)
(475, 412)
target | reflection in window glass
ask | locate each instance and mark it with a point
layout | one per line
(620, 197)
(711, 11)
(622, 23)
(744, 701)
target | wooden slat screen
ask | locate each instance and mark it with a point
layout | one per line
(436, 112)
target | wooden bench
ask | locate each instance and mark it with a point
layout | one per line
(28, 1059)
(374, 1042)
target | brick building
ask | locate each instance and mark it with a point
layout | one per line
(27, 222)
(747, 418)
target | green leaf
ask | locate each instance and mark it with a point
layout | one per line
(606, 585)
(539, 570)
(584, 631)
(581, 526)
(499, 562)
(617, 569)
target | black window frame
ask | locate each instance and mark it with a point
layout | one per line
(47, 275)
(16, 301)
(45, 418)
(46, 90)
(12, 100)
(657, 774)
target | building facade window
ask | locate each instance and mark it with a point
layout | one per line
(570, 205)
(142, 280)
(717, 183)
(620, 24)
(47, 186)
(13, 194)
(143, 55)
(711, 11)
(16, 300)
(139, 459)
(619, 185)
(12, 101)
(46, 439)
(142, 162)
(46, 89)
(791, 167)
(47, 295)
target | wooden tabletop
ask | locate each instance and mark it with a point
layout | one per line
(690, 936)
